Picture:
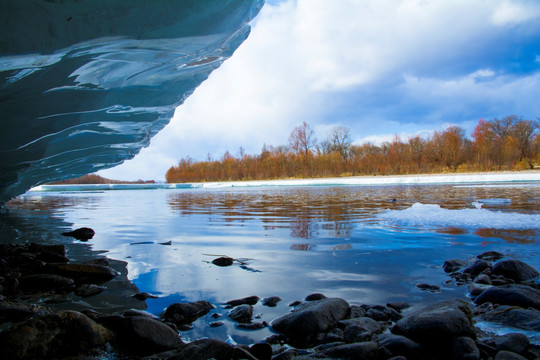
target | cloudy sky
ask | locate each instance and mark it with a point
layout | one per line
(381, 68)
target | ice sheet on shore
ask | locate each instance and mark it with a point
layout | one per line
(502, 179)
(432, 215)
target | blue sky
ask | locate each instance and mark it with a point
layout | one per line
(382, 68)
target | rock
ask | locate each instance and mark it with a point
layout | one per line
(65, 333)
(215, 324)
(382, 313)
(465, 349)
(261, 351)
(87, 290)
(186, 313)
(513, 316)
(515, 269)
(83, 273)
(399, 345)
(515, 342)
(135, 312)
(482, 279)
(83, 234)
(15, 312)
(315, 296)
(490, 256)
(304, 324)
(357, 311)
(295, 303)
(366, 324)
(206, 349)
(477, 267)
(241, 313)
(45, 282)
(453, 265)
(437, 322)
(271, 301)
(141, 335)
(516, 295)
(250, 300)
(223, 261)
(143, 296)
(428, 287)
(359, 350)
(508, 355)
(252, 325)
(398, 305)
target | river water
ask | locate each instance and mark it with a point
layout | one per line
(367, 244)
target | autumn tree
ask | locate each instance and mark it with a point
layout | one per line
(302, 139)
(450, 146)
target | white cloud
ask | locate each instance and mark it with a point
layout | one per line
(513, 13)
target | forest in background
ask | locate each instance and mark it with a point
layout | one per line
(509, 143)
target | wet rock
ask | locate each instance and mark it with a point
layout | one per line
(252, 325)
(83, 234)
(515, 342)
(135, 312)
(465, 348)
(482, 279)
(271, 301)
(103, 261)
(45, 282)
(508, 355)
(477, 267)
(367, 325)
(490, 256)
(206, 349)
(83, 273)
(315, 296)
(15, 312)
(186, 313)
(516, 295)
(399, 345)
(143, 296)
(357, 311)
(428, 287)
(142, 336)
(334, 335)
(399, 305)
(87, 290)
(215, 324)
(453, 265)
(295, 303)
(383, 313)
(515, 269)
(261, 351)
(52, 336)
(241, 313)
(359, 350)
(304, 324)
(513, 316)
(250, 300)
(356, 333)
(437, 322)
(476, 289)
(223, 261)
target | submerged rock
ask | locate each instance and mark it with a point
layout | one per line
(250, 300)
(83, 234)
(271, 301)
(307, 321)
(241, 313)
(490, 256)
(453, 265)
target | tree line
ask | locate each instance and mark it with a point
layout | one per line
(509, 143)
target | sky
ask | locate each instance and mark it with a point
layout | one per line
(380, 68)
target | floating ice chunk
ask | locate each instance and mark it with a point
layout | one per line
(432, 215)
(495, 201)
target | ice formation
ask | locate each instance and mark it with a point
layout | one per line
(85, 84)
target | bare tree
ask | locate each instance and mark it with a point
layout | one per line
(339, 139)
(302, 139)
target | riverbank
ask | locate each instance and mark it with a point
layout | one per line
(503, 291)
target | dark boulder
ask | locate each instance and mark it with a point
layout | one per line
(490, 256)
(515, 269)
(315, 296)
(223, 261)
(477, 268)
(453, 265)
(307, 321)
(465, 348)
(428, 287)
(207, 349)
(516, 295)
(249, 300)
(439, 322)
(82, 234)
(141, 335)
(83, 273)
(87, 290)
(365, 325)
(65, 333)
(186, 313)
(513, 316)
(509, 355)
(15, 312)
(359, 350)
(399, 345)
(271, 301)
(515, 342)
(241, 313)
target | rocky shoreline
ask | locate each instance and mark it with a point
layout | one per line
(33, 276)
